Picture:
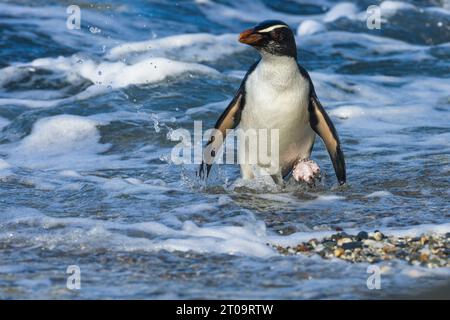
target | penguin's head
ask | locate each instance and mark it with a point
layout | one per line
(273, 37)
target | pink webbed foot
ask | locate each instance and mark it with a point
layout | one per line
(306, 170)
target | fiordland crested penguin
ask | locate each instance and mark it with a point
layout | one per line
(277, 93)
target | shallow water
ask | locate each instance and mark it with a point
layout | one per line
(85, 123)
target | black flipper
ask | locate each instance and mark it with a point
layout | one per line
(229, 119)
(321, 123)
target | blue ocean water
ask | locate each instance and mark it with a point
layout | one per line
(86, 118)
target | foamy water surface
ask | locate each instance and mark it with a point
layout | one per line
(86, 118)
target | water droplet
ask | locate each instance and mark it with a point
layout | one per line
(94, 30)
(164, 158)
(154, 118)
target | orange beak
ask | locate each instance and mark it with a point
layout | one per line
(249, 37)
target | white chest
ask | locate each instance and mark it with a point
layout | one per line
(276, 96)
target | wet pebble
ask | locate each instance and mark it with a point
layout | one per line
(338, 252)
(378, 236)
(352, 245)
(343, 241)
(362, 235)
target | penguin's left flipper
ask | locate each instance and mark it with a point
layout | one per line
(321, 123)
(228, 120)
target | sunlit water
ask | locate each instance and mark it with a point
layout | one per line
(85, 173)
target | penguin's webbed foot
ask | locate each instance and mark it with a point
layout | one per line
(306, 170)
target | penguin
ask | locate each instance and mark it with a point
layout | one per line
(277, 93)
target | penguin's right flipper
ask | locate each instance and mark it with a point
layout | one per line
(321, 123)
(228, 120)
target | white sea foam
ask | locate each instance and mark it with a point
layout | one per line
(118, 187)
(341, 10)
(389, 8)
(119, 74)
(4, 164)
(92, 233)
(198, 47)
(62, 141)
(348, 112)
(61, 134)
(291, 199)
(309, 27)
(259, 183)
(330, 197)
(12, 73)
(379, 194)
(105, 75)
(146, 62)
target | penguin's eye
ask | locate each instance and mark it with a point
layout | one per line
(276, 35)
